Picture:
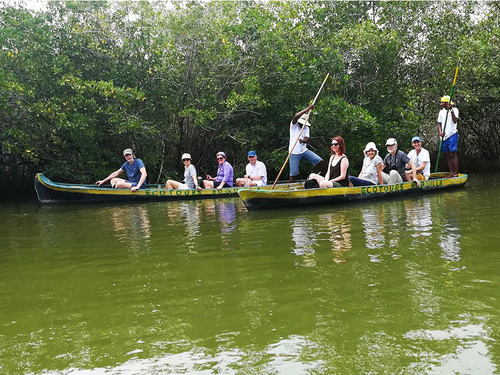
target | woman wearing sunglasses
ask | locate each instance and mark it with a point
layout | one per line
(338, 166)
(224, 174)
(190, 176)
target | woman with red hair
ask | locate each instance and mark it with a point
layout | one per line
(338, 166)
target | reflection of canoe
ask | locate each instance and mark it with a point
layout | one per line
(56, 192)
(297, 196)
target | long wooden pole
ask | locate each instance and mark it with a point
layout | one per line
(446, 118)
(305, 122)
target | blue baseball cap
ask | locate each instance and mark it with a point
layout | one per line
(252, 153)
(416, 139)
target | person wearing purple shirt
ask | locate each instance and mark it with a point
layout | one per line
(224, 174)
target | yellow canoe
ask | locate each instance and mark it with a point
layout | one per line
(297, 196)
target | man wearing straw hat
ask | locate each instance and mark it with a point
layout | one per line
(449, 132)
(300, 150)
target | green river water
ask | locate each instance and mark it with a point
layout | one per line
(400, 286)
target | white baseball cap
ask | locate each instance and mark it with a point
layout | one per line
(391, 142)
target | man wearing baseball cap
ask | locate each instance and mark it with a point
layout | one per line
(420, 157)
(394, 163)
(449, 133)
(256, 173)
(136, 173)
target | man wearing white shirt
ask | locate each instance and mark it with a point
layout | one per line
(449, 133)
(420, 157)
(299, 151)
(256, 173)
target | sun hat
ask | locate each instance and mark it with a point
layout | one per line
(416, 139)
(127, 151)
(391, 142)
(221, 153)
(370, 146)
(446, 99)
(186, 156)
(252, 153)
(303, 118)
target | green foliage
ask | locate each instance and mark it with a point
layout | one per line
(83, 80)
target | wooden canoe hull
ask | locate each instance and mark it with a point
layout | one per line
(298, 196)
(55, 192)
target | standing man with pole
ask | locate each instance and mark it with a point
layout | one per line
(299, 129)
(303, 118)
(447, 125)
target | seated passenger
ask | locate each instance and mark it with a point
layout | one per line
(395, 162)
(420, 157)
(224, 174)
(371, 173)
(338, 166)
(136, 173)
(256, 174)
(190, 176)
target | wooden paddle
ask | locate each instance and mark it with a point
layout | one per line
(305, 122)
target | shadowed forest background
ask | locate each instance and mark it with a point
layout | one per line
(81, 81)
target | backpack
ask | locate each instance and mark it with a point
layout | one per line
(311, 184)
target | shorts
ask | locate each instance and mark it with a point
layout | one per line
(450, 144)
(259, 182)
(217, 183)
(135, 184)
(183, 187)
(295, 159)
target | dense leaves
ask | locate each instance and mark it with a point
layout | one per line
(80, 81)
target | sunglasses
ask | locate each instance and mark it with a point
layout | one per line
(186, 160)
(391, 145)
(221, 158)
(335, 144)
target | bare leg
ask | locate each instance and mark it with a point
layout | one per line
(452, 159)
(317, 177)
(119, 183)
(240, 182)
(171, 184)
(454, 163)
(208, 184)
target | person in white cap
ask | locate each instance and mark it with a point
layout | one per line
(224, 177)
(395, 164)
(420, 157)
(449, 133)
(256, 173)
(371, 172)
(136, 173)
(190, 176)
(300, 150)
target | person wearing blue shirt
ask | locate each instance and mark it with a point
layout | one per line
(136, 173)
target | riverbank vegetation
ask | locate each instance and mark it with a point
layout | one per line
(81, 81)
